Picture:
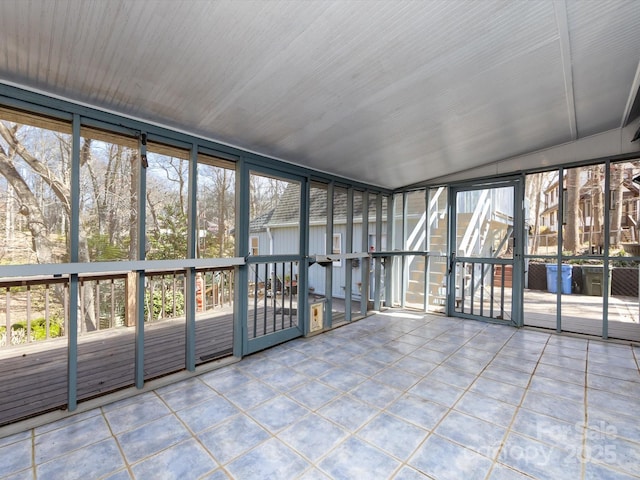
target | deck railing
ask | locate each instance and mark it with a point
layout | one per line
(273, 298)
(36, 309)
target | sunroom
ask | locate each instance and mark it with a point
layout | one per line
(370, 216)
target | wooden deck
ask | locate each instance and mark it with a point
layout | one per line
(34, 377)
(583, 314)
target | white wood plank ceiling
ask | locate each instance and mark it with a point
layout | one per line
(386, 92)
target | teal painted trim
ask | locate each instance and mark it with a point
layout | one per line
(394, 299)
(622, 157)
(516, 183)
(403, 266)
(260, 167)
(241, 304)
(118, 129)
(427, 259)
(451, 242)
(399, 253)
(469, 316)
(607, 246)
(14, 103)
(190, 319)
(139, 350)
(74, 243)
(364, 262)
(72, 345)
(495, 261)
(517, 286)
(218, 154)
(32, 100)
(389, 266)
(170, 142)
(141, 169)
(34, 269)
(261, 343)
(272, 258)
(559, 254)
(473, 184)
(377, 270)
(192, 238)
(328, 278)
(303, 269)
(348, 274)
(141, 253)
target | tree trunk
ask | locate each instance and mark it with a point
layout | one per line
(597, 216)
(616, 207)
(534, 196)
(30, 209)
(222, 195)
(570, 238)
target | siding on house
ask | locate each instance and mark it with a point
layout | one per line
(278, 233)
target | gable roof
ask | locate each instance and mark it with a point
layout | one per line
(287, 211)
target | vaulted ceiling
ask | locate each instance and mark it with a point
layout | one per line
(386, 92)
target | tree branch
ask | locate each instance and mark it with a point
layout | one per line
(59, 188)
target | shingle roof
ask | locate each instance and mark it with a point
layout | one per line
(287, 210)
(257, 224)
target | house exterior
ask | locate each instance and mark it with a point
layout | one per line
(277, 232)
(624, 201)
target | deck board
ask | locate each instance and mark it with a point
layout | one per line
(583, 314)
(34, 377)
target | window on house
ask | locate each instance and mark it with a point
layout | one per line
(253, 246)
(336, 248)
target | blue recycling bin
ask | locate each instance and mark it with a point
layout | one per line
(552, 278)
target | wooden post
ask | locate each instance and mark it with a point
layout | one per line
(130, 292)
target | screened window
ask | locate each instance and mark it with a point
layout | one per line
(35, 188)
(167, 221)
(216, 207)
(275, 213)
(109, 170)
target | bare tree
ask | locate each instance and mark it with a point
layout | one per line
(571, 239)
(616, 187)
(30, 207)
(35, 164)
(597, 202)
(534, 195)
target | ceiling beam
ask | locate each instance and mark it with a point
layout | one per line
(634, 97)
(560, 8)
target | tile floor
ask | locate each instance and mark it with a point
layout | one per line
(396, 395)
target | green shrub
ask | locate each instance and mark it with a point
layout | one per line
(169, 300)
(38, 330)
